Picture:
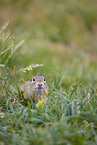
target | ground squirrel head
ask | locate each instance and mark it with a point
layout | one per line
(38, 83)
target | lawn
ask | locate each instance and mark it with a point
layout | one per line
(56, 39)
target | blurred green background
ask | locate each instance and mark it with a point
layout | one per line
(60, 34)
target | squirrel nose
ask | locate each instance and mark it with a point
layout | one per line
(39, 85)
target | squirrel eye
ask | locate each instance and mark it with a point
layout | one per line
(44, 79)
(33, 79)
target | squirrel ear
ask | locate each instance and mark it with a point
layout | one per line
(31, 80)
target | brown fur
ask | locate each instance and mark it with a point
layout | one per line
(36, 88)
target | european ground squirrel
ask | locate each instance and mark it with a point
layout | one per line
(36, 88)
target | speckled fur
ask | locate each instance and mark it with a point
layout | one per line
(35, 89)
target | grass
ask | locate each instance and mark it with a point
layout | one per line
(59, 42)
(64, 118)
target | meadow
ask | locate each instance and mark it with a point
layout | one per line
(56, 39)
